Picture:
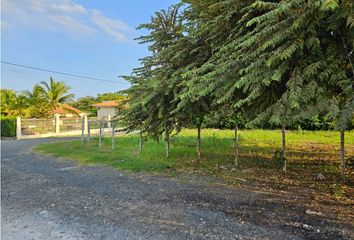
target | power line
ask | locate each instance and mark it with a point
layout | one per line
(57, 72)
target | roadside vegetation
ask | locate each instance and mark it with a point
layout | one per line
(230, 64)
(256, 63)
(38, 102)
(8, 126)
(309, 154)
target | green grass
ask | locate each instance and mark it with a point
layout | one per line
(308, 153)
(257, 148)
(123, 157)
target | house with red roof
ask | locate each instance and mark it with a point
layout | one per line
(109, 108)
(65, 110)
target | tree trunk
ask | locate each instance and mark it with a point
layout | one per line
(283, 148)
(198, 145)
(342, 153)
(236, 146)
(167, 144)
(141, 142)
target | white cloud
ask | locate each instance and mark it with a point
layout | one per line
(61, 15)
(71, 24)
(36, 5)
(68, 7)
(115, 28)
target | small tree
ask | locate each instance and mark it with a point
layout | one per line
(151, 97)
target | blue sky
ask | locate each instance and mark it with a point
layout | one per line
(91, 38)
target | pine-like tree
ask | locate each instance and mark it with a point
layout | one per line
(153, 87)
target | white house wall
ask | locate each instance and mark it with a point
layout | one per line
(105, 111)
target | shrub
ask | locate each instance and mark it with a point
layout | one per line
(8, 126)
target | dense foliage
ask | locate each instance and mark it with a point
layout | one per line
(8, 126)
(13, 104)
(254, 63)
(37, 103)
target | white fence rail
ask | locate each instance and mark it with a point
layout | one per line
(57, 127)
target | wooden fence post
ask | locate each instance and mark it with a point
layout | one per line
(342, 153)
(141, 142)
(236, 146)
(100, 135)
(167, 139)
(112, 135)
(198, 144)
(283, 148)
(18, 128)
(88, 131)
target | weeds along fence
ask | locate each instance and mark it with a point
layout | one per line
(219, 150)
(59, 126)
(266, 151)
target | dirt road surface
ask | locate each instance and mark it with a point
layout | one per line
(47, 198)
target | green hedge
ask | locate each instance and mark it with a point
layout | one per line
(8, 126)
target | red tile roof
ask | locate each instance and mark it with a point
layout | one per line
(107, 104)
(65, 108)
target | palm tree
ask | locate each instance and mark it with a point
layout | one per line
(34, 95)
(38, 106)
(45, 97)
(54, 93)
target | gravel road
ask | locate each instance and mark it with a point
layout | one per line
(46, 198)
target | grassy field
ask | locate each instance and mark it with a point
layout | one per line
(308, 153)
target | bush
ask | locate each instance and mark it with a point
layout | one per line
(8, 126)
